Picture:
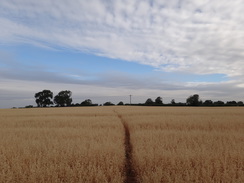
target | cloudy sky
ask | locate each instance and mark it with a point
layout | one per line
(106, 50)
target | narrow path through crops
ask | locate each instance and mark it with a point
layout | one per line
(129, 170)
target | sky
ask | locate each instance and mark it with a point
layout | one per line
(106, 50)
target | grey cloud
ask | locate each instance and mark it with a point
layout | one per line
(18, 71)
(118, 82)
(21, 92)
(15, 70)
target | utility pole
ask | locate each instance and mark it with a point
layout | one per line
(130, 99)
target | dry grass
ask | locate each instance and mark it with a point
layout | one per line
(87, 144)
(187, 144)
(61, 145)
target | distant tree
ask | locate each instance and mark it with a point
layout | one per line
(173, 102)
(120, 103)
(44, 98)
(231, 103)
(219, 103)
(200, 102)
(193, 100)
(208, 103)
(63, 98)
(29, 106)
(77, 104)
(86, 102)
(149, 101)
(108, 103)
(159, 101)
(180, 104)
(240, 103)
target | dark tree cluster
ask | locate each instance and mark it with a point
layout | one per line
(62, 99)
(108, 104)
(120, 103)
(157, 102)
(45, 98)
(194, 101)
(86, 102)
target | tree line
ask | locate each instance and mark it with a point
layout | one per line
(193, 100)
(46, 98)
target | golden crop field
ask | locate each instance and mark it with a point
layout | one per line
(61, 145)
(122, 144)
(187, 144)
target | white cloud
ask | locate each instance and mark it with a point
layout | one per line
(201, 37)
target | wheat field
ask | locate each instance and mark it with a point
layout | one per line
(87, 144)
(187, 144)
(61, 145)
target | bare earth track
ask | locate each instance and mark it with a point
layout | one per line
(129, 170)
